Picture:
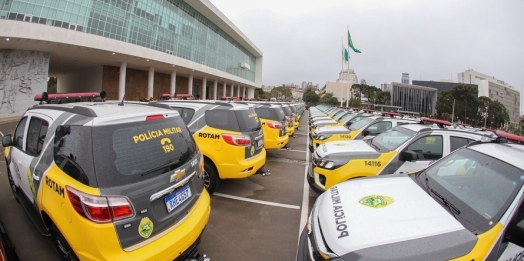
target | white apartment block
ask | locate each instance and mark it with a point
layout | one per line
(495, 89)
(341, 89)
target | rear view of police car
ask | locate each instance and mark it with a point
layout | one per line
(110, 181)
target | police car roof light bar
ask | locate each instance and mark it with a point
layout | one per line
(440, 123)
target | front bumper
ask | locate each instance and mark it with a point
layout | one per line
(313, 184)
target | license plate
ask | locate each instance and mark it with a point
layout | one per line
(180, 196)
(260, 142)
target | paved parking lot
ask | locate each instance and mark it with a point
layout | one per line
(257, 218)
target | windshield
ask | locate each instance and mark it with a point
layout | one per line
(468, 179)
(361, 123)
(347, 117)
(392, 138)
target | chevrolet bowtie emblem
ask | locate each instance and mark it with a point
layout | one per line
(179, 174)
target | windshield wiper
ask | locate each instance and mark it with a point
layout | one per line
(373, 145)
(170, 163)
(446, 202)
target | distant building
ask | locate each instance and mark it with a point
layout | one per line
(341, 89)
(495, 89)
(405, 78)
(440, 86)
(384, 86)
(413, 98)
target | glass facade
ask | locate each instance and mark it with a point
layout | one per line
(414, 100)
(169, 26)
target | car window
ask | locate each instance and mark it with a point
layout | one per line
(361, 123)
(123, 153)
(222, 119)
(247, 120)
(20, 134)
(427, 148)
(279, 114)
(36, 135)
(263, 112)
(457, 142)
(379, 127)
(185, 113)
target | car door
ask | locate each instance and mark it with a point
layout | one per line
(428, 149)
(20, 159)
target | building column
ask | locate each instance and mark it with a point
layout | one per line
(204, 89)
(224, 88)
(173, 83)
(122, 81)
(190, 84)
(244, 92)
(232, 90)
(215, 90)
(238, 91)
(150, 82)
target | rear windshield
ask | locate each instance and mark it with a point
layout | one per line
(279, 114)
(287, 111)
(124, 153)
(233, 120)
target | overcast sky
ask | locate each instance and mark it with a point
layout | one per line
(301, 40)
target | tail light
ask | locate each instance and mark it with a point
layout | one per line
(100, 209)
(236, 140)
(287, 119)
(154, 117)
(274, 125)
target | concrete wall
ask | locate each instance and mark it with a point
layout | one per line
(23, 74)
(89, 80)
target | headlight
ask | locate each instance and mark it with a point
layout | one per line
(330, 164)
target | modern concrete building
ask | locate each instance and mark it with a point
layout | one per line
(405, 78)
(495, 89)
(136, 48)
(413, 98)
(440, 86)
(341, 89)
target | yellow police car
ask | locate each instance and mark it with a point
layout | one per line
(402, 149)
(109, 181)
(467, 206)
(356, 128)
(229, 135)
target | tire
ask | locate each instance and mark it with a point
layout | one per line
(211, 178)
(62, 247)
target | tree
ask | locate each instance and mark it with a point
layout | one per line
(383, 97)
(306, 90)
(329, 99)
(51, 84)
(259, 93)
(281, 93)
(311, 98)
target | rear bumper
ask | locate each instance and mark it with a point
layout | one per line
(276, 143)
(241, 168)
(182, 237)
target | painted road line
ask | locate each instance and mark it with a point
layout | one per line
(305, 199)
(294, 150)
(257, 201)
(303, 134)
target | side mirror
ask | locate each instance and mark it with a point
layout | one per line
(365, 132)
(408, 155)
(7, 141)
(517, 236)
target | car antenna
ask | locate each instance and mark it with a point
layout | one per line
(122, 102)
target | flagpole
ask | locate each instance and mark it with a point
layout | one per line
(342, 86)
